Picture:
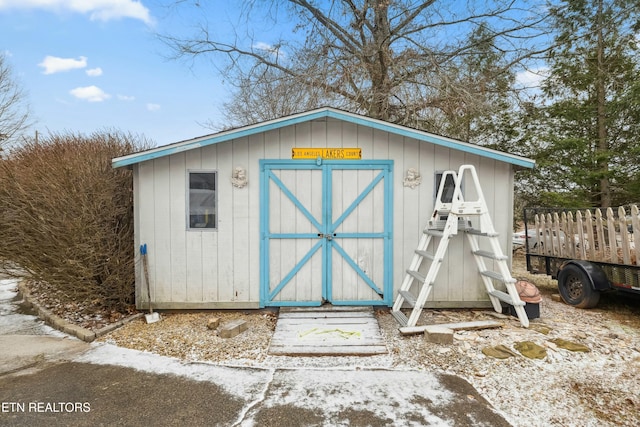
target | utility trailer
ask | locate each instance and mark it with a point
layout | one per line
(588, 251)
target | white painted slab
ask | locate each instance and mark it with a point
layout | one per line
(318, 332)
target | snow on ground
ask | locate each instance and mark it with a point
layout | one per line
(566, 388)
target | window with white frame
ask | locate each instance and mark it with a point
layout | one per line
(202, 200)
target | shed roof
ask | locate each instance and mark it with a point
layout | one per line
(320, 113)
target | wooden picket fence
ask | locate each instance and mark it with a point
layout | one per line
(590, 235)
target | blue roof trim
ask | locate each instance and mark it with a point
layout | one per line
(317, 114)
(434, 139)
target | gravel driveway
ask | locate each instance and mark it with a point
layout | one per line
(564, 388)
(594, 388)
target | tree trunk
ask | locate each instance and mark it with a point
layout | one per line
(602, 156)
(380, 62)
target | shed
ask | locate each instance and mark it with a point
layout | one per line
(319, 207)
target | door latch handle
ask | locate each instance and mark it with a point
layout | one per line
(326, 236)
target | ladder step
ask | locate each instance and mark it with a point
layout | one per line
(425, 254)
(417, 275)
(503, 296)
(408, 297)
(498, 276)
(446, 221)
(470, 208)
(477, 232)
(491, 255)
(400, 317)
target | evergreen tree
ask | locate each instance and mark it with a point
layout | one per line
(589, 122)
(473, 94)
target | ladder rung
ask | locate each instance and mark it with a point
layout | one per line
(425, 254)
(446, 221)
(491, 255)
(470, 210)
(497, 276)
(417, 275)
(503, 296)
(477, 232)
(400, 317)
(408, 297)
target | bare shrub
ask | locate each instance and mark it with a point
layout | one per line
(67, 217)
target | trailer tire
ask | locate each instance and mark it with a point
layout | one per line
(576, 288)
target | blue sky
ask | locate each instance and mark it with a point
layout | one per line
(90, 65)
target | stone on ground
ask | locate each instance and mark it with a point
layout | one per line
(531, 350)
(233, 328)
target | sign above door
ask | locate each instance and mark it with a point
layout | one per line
(326, 153)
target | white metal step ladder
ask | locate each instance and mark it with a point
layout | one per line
(473, 219)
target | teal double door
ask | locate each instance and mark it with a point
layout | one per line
(326, 232)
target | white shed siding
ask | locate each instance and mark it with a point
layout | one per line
(209, 269)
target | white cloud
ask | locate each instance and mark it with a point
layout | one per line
(153, 107)
(90, 93)
(98, 10)
(264, 46)
(274, 50)
(126, 98)
(532, 78)
(53, 64)
(94, 72)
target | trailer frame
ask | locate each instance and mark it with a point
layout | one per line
(586, 251)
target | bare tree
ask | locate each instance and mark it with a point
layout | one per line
(14, 109)
(397, 60)
(266, 98)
